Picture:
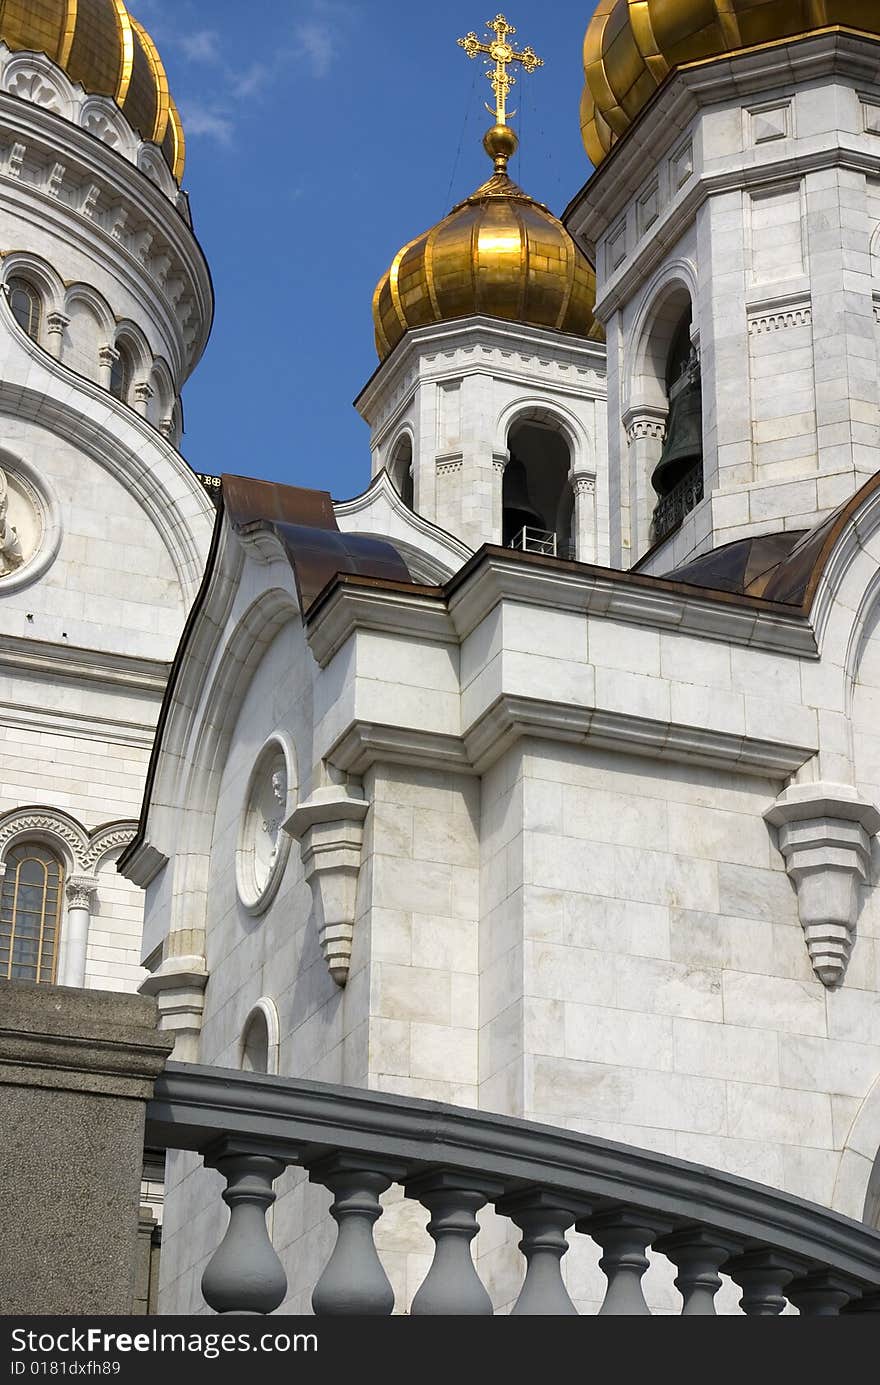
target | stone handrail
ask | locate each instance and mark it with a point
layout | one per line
(776, 1247)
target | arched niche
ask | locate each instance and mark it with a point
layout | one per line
(663, 420)
(260, 1038)
(537, 503)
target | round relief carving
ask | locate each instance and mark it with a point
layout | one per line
(263, 845)
(30, 528)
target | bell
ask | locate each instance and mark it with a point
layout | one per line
(683, 448)
(518, 511)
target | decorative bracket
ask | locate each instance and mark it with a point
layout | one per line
(330, 830)
(825, 833)
(179, 983)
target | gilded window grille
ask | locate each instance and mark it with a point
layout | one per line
(30, 914)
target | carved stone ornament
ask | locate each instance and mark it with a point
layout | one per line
(178, 983)
(824, 834)
(262, 845)
(330, 830)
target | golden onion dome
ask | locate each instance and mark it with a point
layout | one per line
(499, 253)
(98, 44)
(632, 45)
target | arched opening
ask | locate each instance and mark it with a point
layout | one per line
(401, 471)
(677, 478)
(30, 913)
(536, 497)
(122, 374)
(27, 307)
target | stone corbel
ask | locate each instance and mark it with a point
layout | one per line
(178, 984)
(824, 834)
(330, 830)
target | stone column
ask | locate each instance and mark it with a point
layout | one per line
(646, 433)
(143, 393)
(107, 358)
(76, 1071)
(499, 462)
(583, 483)
(56, 324)
(80, 892)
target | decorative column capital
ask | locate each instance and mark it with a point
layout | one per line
(56, 323)
(143, 392)
(824, 833)
(645, 421)
(108, 356)
(583, 482)
(80, 891)
(330, 830)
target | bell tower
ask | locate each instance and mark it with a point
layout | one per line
(734, 219)
(488, 408)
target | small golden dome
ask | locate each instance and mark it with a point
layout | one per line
(98, 44)
(498, 253)
(632, 45)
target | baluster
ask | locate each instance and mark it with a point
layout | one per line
(822, 1294)
(624, 1234)
(763, 1276)
(354, 1281)
(543, 1217)
(244, 1274)
(452, 1285)
(697, 1253)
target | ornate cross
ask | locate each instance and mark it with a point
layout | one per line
(502, 53)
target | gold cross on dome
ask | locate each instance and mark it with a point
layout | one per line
(502, 53)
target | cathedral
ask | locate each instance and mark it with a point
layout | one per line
(542, 778)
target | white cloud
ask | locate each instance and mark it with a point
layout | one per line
(199, 119)
(202, 46)
(317, 45)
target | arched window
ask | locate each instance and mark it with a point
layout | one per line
(27, 307)
(536, 498)
(402, 471)
(122, 374)
(678, 476)
(30, 913)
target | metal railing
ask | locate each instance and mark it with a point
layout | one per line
(542, 541)
(779, 1249)
(671, 509)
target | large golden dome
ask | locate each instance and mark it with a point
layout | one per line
(632, 45)
(498, 253)
(99, 45)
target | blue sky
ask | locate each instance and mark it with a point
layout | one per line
(322, 135)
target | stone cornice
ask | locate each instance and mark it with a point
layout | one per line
(398, 612)
(666, 117)
(84, 665)
(511, 719)
(493, 575)
(467, 334)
